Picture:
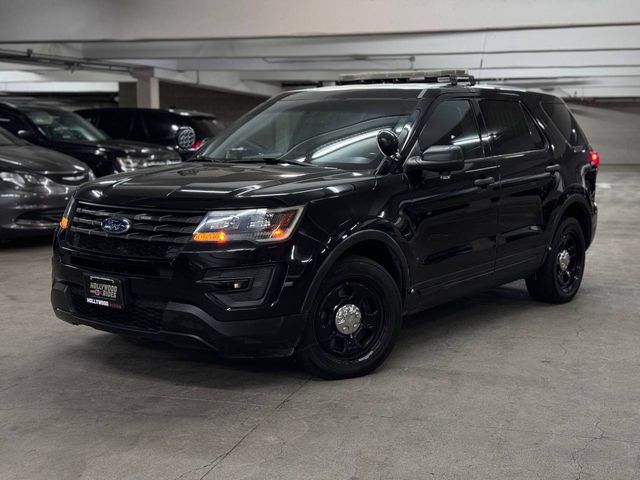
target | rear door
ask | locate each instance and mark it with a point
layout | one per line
(454, 216)
(527, 180)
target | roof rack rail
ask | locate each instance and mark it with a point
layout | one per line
(451, 77)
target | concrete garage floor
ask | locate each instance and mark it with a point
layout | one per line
(492, 387)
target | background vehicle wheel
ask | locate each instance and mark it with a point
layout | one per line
(559, 277)
(354, 323)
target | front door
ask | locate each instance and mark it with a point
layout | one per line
(454, 217)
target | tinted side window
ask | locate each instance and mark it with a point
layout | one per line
(159, 125)
(453, 123)
(13, 123)
(508, 127)
(536, 136)
(116, 123)
(138, 129)
(93, 116)
(564, 121)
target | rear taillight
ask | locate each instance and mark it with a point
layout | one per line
(595, 159)
(197, 144)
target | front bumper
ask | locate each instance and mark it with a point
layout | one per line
(25, 214)
(189, 326)
(173, 302)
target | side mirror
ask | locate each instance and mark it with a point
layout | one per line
(438, 158)
(185, 138)
(388, 143)
(29, 135)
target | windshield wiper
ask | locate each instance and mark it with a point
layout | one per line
(267, 160)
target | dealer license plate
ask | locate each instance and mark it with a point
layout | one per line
(104, 291)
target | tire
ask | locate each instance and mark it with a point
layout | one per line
(368, 331)
(557, 281)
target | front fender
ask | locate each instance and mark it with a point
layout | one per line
(338, 249)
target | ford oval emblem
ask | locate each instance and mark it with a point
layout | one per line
(115, 225)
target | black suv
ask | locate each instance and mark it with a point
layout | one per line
(69, 133)
(153, 125)
(326, 214)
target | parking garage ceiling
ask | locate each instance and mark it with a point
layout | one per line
(263, 47)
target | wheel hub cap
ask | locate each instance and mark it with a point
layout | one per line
(563, 260)
(348, 318)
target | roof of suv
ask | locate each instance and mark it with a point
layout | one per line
(403, 90)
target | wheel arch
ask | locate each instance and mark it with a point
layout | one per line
(577, 207)
(373, 244)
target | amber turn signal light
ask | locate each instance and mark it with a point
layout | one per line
(64, 223)
(218, 237)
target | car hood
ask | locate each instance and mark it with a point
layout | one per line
(213, 185)
(121, 147)
(136, 148)
(38, 160)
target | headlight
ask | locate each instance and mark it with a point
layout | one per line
(252, 225)
(24, 180)
(128, 164)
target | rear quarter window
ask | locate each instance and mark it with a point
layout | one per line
(161, 125)
(565, 122)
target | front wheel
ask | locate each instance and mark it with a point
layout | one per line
(559, 277)
(354, 323)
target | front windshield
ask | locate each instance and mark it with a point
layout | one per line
(337, 133)
(7, 138)
(61, 125)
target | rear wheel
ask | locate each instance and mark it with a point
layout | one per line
(559, 277)
(354, 323)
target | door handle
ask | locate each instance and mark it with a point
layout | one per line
(484, 182)
(553, 168)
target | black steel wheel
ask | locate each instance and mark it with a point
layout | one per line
(560, 276)
(354, 323)
(350, 319)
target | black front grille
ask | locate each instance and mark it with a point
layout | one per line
(142, 315)
(152, 234)
(125, 267)
(123, 247)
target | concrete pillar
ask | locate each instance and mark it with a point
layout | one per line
(127, 94)
(148, 92)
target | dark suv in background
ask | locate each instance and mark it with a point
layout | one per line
(69, 133)
(326, 214)
(158, 126)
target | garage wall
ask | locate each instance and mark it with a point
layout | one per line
(226, 106)
(613, 129)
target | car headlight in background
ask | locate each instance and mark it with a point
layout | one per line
(129, 164)
(31, 182)
(253, 225)
(24, 180)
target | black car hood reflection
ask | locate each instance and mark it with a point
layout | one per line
(215, 182)
(126, 147)
(29, 158)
